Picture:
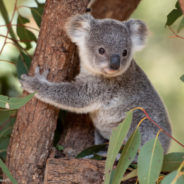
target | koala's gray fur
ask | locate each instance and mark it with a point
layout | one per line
(106, 94)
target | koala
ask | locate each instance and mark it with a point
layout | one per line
(110, 83)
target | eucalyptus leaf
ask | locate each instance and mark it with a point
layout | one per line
(174, 15)
(170, 178)
(127, 156)
(59, 147)
(150, 161)
(23, 64)
(4, 116)
(24, 34)
(182, 78)
(7, 172)
(37, 13)
(4, 143)
(3, 147)
(172, 161)
(91, 150)
(5, 132)
(14, 102)
(116, 140)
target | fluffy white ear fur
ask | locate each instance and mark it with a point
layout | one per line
(78, 26)
(138, 33)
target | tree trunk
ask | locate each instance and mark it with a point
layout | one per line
(117, 9)
(32, 136)
(33, 132)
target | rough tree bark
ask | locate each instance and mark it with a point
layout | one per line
(33, 132)
(32, 136)
(117, 9)
(91, 171)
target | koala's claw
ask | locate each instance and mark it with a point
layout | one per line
(45, 73)
(37, 70)
(24, 76)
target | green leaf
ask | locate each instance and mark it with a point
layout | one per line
(37, 13)
(97, 157)
(172, 161)
(4, 116)
(3, 147)
(7, 172)
(170, 179)
(116, 141)
(182, 78)
(91, 150)
(127, 156)
(181, 25)
(5, 16)
(5, 132)
(130, 175)
(23, 64)
(59, 147)
(150, 161)
(25, 35)
(174, 15)
(14, 103)
(4, 143)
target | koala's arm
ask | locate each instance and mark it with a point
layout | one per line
(72, 96)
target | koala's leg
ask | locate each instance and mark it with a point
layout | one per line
(72, 96)
(98, 139)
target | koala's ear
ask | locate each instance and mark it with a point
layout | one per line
(138, 33)
(78, 26)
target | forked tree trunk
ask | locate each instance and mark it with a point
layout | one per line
(32, 136)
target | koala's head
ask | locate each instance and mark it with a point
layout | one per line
(106, 46)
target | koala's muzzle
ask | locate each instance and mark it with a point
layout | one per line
(115, 62)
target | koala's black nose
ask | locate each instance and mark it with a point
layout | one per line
(115, 62)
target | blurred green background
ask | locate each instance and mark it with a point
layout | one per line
(162, 59)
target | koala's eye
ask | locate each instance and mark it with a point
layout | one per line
(101, 51)
(124, 52)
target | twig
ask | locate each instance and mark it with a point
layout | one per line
(175, 34)
(182, 5)
(22, 25)
(7, 61)
(15, 39)
(164, 131)
(6, 18)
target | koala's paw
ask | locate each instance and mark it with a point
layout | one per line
(33, 83)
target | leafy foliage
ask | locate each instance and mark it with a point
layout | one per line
(9, 105)
(117, 137)
(23, 64)
(172, 161)
(127, 156)
(175, 177)
(14, 103)
(24, 34)
(6, 171)
(37, 13)
(182, 78)
(92, 151)
(174, 15)
(150, 161)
